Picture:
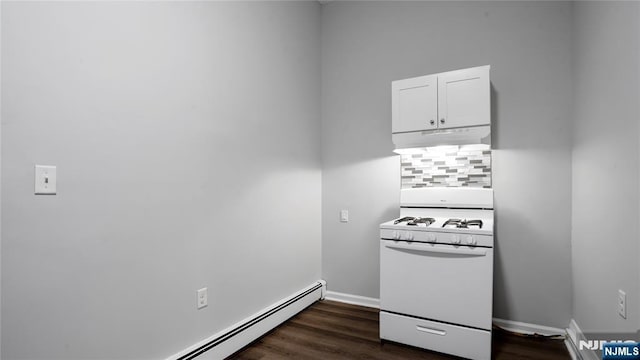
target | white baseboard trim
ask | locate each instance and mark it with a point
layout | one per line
(571, 342)
(353, 299)
(527, 328)
(571, 348)
(226, 342)
(575, 335)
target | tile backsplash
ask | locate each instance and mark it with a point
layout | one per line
(451, 166)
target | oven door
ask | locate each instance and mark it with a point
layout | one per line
(447, 283)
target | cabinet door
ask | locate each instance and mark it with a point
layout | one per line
(414, 104)
(464, 98)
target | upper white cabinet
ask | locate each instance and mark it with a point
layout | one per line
(453, 99)
(415, 104)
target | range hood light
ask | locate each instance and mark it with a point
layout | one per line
(410, 151)
(475, 147)
(455, 136)
(442, 149)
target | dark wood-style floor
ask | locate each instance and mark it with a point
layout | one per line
(332, 330)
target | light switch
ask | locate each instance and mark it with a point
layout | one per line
(344, 215)
(45, 180)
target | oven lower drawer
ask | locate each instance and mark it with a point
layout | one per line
(445, 338)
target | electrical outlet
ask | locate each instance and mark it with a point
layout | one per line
(202, 298)
(622, 304)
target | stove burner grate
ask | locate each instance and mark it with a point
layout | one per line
(406, 218)
(463, 224)
(415, 221)
(427, 221)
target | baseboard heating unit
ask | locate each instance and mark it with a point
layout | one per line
(241, 334)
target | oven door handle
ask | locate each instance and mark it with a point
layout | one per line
(439, 250)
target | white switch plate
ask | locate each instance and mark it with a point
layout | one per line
(203, 300)
(45, 180)
(622, 304)
(344, 215)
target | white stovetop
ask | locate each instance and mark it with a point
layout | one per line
(441, 216)
(442, 204)
(487, 227)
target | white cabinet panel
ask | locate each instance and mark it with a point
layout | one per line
(415, 104)
(452, 99)
(464, 98)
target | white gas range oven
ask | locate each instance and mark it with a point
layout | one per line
(436, 271)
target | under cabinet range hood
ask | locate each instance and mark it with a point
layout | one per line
(450, 108)
(456, 136)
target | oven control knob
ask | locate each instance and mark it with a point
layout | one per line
(396, 235)
(406, 236)
(431, 237)
(455, 239)
(471, 240)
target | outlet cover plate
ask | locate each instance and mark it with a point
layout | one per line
(622, 304)
(202, 298)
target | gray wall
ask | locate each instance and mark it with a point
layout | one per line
(0, 179)
(606, 164)
(366, 45)
(184, 135)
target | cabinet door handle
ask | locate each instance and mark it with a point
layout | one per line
(432, 122)
(442, 121)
